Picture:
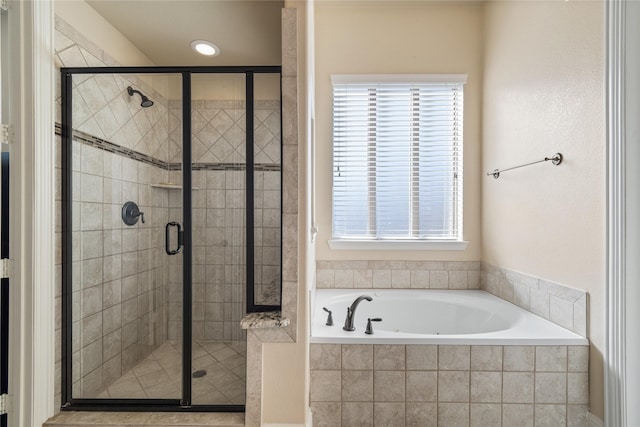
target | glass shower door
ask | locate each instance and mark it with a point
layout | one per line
(4, 282)
(267, 197)
(171, 222)
(4, 215)
(219, 238)
(126, 294)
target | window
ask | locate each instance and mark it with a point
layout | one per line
(397, 158)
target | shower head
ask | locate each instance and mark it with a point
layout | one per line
(146, 102)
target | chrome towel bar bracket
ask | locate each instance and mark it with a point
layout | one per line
(556, 160)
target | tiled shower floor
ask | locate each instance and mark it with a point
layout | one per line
(160, 374)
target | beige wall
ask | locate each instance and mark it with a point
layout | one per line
(536, 87)
(544, 92)
(101, 33)
(417, 38)
(94, 27)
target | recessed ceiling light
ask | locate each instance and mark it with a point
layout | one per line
(204, 47)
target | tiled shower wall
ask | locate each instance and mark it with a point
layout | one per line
(118, 270)
(219, 255)
(118, 289)
(267, 238)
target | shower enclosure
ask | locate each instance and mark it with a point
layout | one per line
(171, 232)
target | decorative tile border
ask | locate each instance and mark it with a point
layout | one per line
(239, 104)
(260, 167)
(102, 144)
(555, 302)
(398, 274)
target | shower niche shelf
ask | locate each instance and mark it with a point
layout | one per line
(170, 186)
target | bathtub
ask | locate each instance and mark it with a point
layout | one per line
(454, 317)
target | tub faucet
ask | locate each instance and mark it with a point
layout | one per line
(351, 312)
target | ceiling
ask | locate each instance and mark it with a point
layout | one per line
(247, 32)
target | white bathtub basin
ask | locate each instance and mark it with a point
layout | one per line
(433, 317)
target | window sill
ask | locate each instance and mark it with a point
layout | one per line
(398, 245)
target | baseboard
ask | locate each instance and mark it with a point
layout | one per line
(593, 421)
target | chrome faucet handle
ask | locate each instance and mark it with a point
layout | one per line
(369, 330)
(329, 318)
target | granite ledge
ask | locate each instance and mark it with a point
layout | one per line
(266, 319)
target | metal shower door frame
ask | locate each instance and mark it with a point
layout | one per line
(4, 288)
(185, 403)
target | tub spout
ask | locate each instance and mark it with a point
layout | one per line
(351, 312)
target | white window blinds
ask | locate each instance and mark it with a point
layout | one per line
(397, 157)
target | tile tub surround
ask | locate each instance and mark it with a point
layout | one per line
(442, 385)
(398, 274)
(555, 302)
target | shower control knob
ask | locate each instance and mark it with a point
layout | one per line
(130, 213)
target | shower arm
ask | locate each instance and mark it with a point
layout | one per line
(145, 101)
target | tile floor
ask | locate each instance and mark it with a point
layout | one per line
(160, 374)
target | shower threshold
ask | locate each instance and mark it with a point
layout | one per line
(146, 419)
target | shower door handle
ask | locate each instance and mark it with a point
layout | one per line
(167, 246)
